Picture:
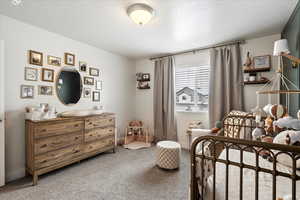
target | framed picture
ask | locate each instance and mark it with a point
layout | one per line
(82, 66)
(31, 74)
(262, 61)
(88, 80)
(94, 72)
(87, 93)
(55, 61)
(45, 90)
(27, 92)
(35, 58)
(96, 96)
(69, 59)
(47, 75)
(98, 85)
(146, 77)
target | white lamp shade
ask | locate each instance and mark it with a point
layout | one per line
(281, 46)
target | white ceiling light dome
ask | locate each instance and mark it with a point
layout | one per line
(140, 13)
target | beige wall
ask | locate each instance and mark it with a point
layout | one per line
(117, 73)
(144, 98)
(256, 47)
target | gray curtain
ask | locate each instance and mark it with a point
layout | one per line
(164, 100)
(226, 82)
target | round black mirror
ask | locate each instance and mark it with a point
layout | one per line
(69, 86)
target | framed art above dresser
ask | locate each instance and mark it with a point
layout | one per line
(52, 144)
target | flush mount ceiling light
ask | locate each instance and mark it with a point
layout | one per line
(140, 13)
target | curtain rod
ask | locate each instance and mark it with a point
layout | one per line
(200, 49)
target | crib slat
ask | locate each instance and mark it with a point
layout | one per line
(274, 180)
(294, 176)
(256, 175)
(241, 175)
(214, 174)
(227, 174)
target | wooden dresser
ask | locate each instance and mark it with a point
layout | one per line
(55, 143)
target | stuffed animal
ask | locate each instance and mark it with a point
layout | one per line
(269, 125)
(278, 111)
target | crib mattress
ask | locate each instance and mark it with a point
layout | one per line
(284, 185)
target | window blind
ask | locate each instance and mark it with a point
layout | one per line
(192, 85)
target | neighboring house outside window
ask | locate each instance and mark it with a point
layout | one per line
(192, 84)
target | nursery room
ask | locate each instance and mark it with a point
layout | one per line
(149, 100)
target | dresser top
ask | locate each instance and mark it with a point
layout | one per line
(105, 114)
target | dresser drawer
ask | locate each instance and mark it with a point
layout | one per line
(58, 156)
(98, 122)
(47, 144)
(99, 133)
(52, 129)
(96, 146)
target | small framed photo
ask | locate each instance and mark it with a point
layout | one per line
(98, 85)
(55, 61)
(87, 93)
(96, 96)
(31, 74)
(35, 58)
(27, 92)
(94, 72)
(47, 75)
(88, 80)
(262, 61)
(82, 66)
(146, 77)
(45, 90)
(69, 59)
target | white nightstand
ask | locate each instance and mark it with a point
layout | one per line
(193, 133)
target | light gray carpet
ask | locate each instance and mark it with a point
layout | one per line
(125, 175)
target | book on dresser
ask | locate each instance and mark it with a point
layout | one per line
(55, 143)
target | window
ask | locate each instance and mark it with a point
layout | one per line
(192, 84)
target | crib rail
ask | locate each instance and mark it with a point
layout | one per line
(241, 145)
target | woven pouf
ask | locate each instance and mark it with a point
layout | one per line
(168, 154)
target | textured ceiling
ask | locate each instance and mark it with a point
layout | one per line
(178, 24)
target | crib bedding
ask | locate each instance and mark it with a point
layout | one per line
(284, 185)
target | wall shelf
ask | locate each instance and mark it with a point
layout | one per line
(256, 82)
(265, 69)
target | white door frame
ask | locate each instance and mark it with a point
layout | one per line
(2, 122)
